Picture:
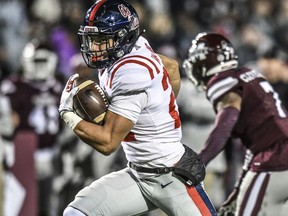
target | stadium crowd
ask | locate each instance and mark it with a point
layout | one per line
(47, 172)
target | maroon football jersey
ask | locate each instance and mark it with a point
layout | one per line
(37, 105)
(263, 121)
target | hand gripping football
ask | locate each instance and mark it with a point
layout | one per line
(90, 102)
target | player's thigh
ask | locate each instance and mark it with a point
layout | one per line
(263, 193)
(175, 198)
(114, 194)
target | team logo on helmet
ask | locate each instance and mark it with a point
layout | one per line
(125, 12)
(199, 53)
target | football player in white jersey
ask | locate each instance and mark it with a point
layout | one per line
(142, 117)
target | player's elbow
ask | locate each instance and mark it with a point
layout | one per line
(106, 149)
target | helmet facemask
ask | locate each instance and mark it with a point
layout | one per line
(96, 48)
(194, 74)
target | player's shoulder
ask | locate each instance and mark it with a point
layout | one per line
(142, 58)
(225, 82)
(136, 69)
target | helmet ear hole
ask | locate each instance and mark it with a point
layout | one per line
(220, 58)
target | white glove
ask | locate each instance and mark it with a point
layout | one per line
(66, 101)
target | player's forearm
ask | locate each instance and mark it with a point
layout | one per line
(172, 68)
(95, 136)
(175, 86)
(225, 121)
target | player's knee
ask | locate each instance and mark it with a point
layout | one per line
(70, 211)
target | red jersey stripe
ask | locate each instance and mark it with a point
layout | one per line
(173, 113)
(94, 11)
(143, 57)
(131, 61)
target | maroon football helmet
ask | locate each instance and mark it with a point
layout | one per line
(209, 54)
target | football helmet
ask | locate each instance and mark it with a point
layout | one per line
(39, 61)
(109, 31)
(209, 54)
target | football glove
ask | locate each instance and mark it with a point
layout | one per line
(229, 206)
(227, 210)
(66, 101)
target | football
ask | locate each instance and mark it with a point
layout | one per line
(90, 102)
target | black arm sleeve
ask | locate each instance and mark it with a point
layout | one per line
(224, 123)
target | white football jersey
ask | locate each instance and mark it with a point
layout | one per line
(139, 89)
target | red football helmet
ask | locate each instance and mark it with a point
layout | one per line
(111, 25)
(209, 54)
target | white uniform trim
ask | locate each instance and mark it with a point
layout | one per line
(220, 88)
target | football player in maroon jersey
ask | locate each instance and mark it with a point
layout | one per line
(35, 96)
(248, 108)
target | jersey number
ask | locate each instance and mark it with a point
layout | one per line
(45, 119)
(269, 89)
(172, 109)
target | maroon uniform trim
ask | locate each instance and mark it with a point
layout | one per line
(254, 195)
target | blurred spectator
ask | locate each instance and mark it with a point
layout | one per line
(282, 14)
(254, 44)
(13, 33)
(273, 65)
(64, 34)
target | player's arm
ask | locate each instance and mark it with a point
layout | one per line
(172, 67)
(106, 138)
(227, 115)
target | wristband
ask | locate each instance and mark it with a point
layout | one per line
(71, 119)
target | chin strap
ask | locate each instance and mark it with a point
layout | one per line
(224, 124)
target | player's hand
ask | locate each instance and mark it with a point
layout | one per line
(66, 101)
(228, 210)
(229, 206)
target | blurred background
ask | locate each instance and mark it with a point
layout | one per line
(43, 164)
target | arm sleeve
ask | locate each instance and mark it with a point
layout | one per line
(224, 124)
(129, 106)
(129, 86)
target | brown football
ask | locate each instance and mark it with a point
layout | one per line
(90, 102)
